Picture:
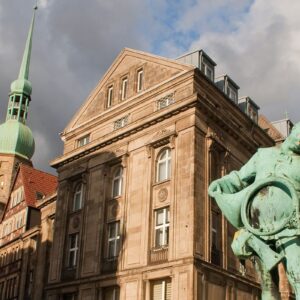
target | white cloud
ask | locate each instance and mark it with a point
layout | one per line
(262, 54)
(43, 3)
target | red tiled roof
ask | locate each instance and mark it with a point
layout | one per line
(36, 181)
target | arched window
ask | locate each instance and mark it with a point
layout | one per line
(163, 165)
(117, 182)
(77, 198)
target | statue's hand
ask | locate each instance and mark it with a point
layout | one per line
(214, 188)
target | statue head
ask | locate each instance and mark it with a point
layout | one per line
(292, 142)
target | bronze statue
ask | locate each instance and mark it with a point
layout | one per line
(262, 201)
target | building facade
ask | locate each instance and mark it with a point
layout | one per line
(133, 218)
(26, 234)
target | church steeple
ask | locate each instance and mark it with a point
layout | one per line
(21, 88)
(16, 139)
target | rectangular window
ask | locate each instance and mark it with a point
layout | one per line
(113, 239)
(110, 93)
(232, 94)
(124, 88)
(121, 122)
(207, 70)
(216, 238)
(111, 293)
(161, 289)
(162, 217)
(252, 113)
(165, 101)
(83, 141)
(140, 80)
(73, 250)
(77, 198)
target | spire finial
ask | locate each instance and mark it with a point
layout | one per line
(24, 70)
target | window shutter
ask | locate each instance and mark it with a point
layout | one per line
(157, 290)
(168, 289)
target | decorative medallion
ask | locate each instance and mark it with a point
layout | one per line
(115, 208)
(75, 222)
(162, 194)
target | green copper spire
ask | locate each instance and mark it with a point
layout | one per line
(22, 85)
(15, 137)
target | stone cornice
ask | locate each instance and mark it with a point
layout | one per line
(127, 131)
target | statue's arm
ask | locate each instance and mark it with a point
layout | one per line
(236, 180)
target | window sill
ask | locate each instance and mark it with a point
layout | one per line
(116, 198)
(161, 182)
(111, 259)
(160, 248)
(75, 212)
(70, 269)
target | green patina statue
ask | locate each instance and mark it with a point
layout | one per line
(262, 201)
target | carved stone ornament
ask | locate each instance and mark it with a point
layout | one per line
(162, 194)
(115, 209)
(75, 222)
(215, 135)
(160, 139)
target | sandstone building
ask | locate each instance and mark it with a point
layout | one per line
(133, 218)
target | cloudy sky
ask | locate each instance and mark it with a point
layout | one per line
(257, 42)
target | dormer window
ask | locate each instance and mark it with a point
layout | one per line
(249, 107)
(83, 141)
(207, 70)
(232, 94)
(39, 196)
(124, 88)
(228, 87)
(110, 92)
(140, 80)
(200, 60)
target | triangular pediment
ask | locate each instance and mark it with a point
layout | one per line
(156, 70)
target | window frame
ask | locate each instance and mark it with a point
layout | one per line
(84, 140)
(160, 162)
(140, 80)
(163, 282)
(115, 289)
(117, 179)
(164, 227)
(232, 94)
(120, 123)
(115, 240)
(73, 264)
(165, 101)
(75, 194)
(205, 68)
(124, 88)
(110, 96)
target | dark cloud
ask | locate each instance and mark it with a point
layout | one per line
(74, 43)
